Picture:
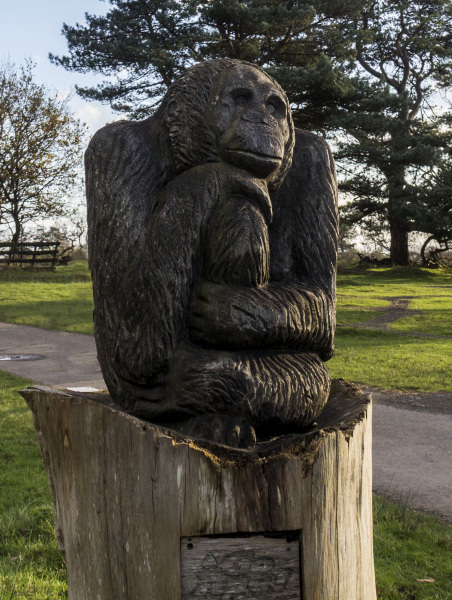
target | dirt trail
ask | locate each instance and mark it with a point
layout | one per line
(398, 309)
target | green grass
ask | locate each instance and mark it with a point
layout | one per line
(390, 361)
(436, 316)
(408, 545)
(60, 300)
(383, 358)
(353, 309)
(30, 564)
(348, 315)
(394, 281)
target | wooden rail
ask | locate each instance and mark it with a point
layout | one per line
(33, 254)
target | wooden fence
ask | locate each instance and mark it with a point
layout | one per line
(32, 254)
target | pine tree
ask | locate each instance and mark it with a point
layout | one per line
(363, 71)
(396, 144)
(141, 46)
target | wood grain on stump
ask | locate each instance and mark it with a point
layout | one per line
(131, 497)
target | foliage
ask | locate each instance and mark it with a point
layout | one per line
(366, 68)
(141, 46)
(40, 150)
(70, 232)
(396, 146)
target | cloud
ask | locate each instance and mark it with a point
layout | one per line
(95, 115)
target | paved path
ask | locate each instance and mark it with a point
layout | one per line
(412, 433)
(412, 449)
(68, 359)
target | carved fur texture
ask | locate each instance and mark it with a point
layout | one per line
(214, 281)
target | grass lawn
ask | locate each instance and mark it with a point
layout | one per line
(436, 316)
(408, 545)
(30, 564)
(390, 361)
(383, 358)
(62, 300)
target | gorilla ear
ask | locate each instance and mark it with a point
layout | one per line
(171, 108)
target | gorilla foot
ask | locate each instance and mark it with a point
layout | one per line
(221, 429)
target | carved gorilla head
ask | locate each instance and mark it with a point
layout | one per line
(230, 110)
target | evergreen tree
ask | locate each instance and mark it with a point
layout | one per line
(395, 143)
(368, 69)
(141, 46)
(435, 209)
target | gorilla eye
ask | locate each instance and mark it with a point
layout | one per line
(241, 98)
(276, 104)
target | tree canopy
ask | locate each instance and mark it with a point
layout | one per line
(366, 72)
(396, 143)
(141, 46)
(40, 150)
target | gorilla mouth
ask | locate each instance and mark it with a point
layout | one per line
(258, 164)
(254, 153)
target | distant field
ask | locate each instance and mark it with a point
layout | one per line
(62, 300)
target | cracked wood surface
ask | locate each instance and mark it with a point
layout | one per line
(126, 491)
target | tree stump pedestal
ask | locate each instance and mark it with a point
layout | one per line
(144, 513)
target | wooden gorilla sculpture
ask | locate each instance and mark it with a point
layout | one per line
(212, 238)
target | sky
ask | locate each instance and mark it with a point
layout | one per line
(32, 29)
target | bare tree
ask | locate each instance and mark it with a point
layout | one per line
(40, 150)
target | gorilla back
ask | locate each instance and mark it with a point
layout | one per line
(213, 240)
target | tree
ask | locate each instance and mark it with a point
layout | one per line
(40, 150)
(396, 145)
(141, 46)
(436, 209)
(368, 69)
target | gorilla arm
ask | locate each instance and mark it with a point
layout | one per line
(145, 239)
(279, 315)
(296, 310)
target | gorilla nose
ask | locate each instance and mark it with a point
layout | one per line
(258, 117)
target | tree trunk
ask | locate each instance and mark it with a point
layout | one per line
(17, 232)
(145, 513)
(399, 244)
(397, 217)
(424, 246)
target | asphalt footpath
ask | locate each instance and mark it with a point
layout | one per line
(53, 358)
(412, 433)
